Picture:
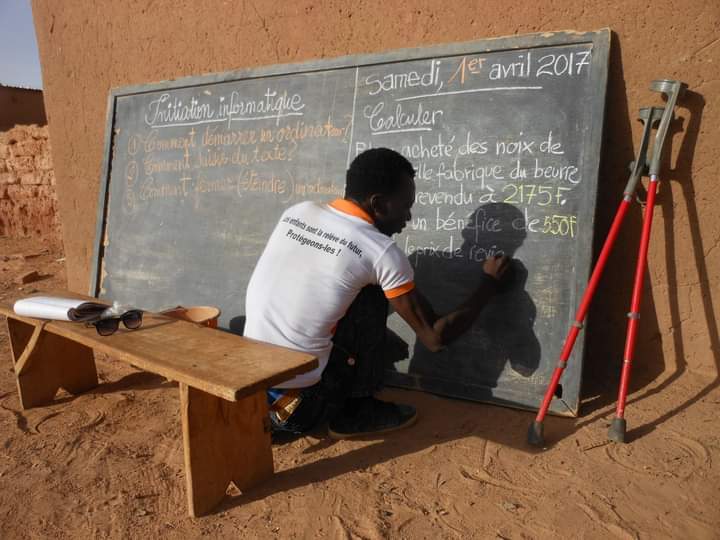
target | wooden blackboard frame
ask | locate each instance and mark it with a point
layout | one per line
(600, 41)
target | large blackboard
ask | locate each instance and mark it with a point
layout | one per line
(505, 135)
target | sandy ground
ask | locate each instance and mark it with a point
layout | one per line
(108, 463)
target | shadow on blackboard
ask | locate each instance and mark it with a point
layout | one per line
(503, 334)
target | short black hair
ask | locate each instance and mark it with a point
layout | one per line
(378, 170)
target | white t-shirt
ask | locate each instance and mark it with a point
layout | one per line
(317, 259)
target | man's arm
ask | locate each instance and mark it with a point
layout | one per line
(436, 332)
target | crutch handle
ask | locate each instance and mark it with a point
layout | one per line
(649, 116)
(673, 90)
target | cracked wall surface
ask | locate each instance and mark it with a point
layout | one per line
(89, 48)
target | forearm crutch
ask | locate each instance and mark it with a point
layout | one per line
(649, 116)
(672, 89)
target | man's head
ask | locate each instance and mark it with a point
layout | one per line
(381, 181)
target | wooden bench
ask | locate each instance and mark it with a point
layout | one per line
(222, 379)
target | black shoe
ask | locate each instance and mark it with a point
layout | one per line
(308, 414)
(369, 416)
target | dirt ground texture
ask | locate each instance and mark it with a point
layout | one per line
(109, 463)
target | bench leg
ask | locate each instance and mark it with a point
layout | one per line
(224, 442)
(46, 362)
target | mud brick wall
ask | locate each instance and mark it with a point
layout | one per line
(28, 203)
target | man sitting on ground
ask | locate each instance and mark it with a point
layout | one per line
(322, 286)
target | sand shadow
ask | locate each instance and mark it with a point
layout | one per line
(441, 421)
(138, 380)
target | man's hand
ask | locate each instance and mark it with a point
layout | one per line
(495, 266)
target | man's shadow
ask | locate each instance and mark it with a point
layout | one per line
(501, 346)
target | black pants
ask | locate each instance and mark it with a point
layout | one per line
(356, 364)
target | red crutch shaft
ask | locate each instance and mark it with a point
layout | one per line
(584, 305)
(634, 315)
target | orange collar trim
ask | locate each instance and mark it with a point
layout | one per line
(349, 207)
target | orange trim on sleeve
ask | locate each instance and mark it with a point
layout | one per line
(399, 291)
(348, 207)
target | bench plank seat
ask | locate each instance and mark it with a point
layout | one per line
(217, 362)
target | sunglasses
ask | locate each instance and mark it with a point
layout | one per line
(106, 327)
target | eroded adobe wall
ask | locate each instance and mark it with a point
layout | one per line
(28, 202)
(88, 48)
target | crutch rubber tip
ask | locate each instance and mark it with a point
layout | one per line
(617, 430)
(535, 434)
